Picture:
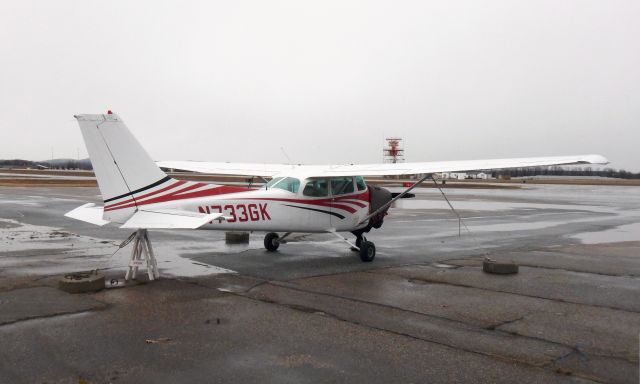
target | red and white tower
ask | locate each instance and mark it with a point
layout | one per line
(393, 151)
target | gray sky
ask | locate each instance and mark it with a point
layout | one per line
(237, 80)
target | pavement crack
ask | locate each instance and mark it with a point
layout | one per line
(422, 280)
(50, 316)
(259, 284)
(568, 372)
(493, 327)
(426, 315)
(314, 311)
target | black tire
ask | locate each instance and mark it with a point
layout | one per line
(82, 282)
(271, 242)
(367, 251)
(378, 224)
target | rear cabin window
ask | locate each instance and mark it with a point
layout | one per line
(360, 183)
(341, 185)
(316, 188)
(288, 184)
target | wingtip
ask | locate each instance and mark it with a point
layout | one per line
(597, 159)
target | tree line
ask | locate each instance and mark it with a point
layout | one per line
(566, 171)
(84, 164)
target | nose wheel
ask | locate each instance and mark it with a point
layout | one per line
(367, 251)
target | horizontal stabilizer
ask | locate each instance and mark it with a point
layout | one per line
(88, 213)
(169, 219)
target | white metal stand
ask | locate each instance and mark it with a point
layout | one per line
(142, 253)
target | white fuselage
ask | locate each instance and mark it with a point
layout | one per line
(270, 208)
(282, 211)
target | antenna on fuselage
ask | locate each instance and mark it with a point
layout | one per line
(287, 156)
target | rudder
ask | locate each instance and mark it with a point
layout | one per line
(121, 165)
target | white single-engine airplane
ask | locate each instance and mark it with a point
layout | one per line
(298, 198)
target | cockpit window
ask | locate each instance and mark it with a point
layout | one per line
(360, 183)
(341, 185)
(288, 184)
(272, 182)
(316, 188)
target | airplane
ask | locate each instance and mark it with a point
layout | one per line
(333, 199)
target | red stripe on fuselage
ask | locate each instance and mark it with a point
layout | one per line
(331, 202)
(364, 196)
(354, 202)
(338, 202)
(181, 195)
(176, 184)
(319, 202)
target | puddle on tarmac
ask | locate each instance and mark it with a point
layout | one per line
(480, 205)
(511, 227)
(58, 251)
(627, 232)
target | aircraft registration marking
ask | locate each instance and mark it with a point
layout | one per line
(239, 212)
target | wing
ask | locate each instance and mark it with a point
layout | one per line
(239, 169)
(381, 169)
(459, 166)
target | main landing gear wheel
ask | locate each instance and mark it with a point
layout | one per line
(271, 242)
(367, 251)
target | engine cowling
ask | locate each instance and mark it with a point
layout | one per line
(378, 197)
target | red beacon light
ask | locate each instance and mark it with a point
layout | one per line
(109, 112)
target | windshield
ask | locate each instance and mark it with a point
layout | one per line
(272, 182)
(288, 184)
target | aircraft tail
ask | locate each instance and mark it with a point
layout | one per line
(123, 168)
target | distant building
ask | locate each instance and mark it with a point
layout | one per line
(464, 175)
(454, 175)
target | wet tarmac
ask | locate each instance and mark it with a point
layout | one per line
(423, 311)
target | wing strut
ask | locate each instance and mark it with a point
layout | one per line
(382, 208)
(451, 206)
(460, 221)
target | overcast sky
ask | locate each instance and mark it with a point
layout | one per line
(326, 81)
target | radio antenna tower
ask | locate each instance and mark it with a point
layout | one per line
(393, 151)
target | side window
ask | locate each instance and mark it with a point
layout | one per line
(360, 183)
(289, 184)
(341, 185)
(316, 188)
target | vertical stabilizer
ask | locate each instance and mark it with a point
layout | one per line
(123, 168)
